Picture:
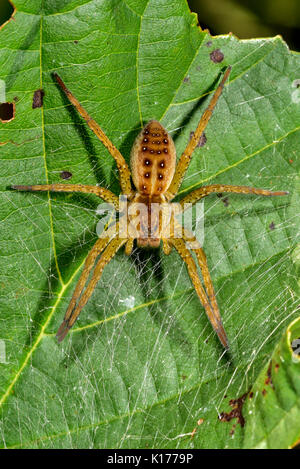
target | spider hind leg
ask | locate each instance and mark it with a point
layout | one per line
(80, 297)
(209, 304)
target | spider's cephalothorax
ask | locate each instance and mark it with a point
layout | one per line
(149, 213)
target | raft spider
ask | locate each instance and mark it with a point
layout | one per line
(157, 179)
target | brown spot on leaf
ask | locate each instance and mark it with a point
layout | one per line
(225, 200)
(268, 381)
(16, 99)
(7, 112)
(251, 395)
(272, 226)
(186, 79)
(199, 422)
(75, 42)
(276, 367)
(208, 44)
(235, 413)
(264, 392)
(66, 175)
(216, 56)
(38, 99)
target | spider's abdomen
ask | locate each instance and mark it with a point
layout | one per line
(153, 160)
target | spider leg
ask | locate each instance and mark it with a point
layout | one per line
(129, 246)
(186, 156)
(101, 192)
(74, 309)
(121, 163)
(198, 194)
(167, 247)
(96, 250)
(188, 237)
(212, 313)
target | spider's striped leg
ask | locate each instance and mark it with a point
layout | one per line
(167, 247)
(96, 250)
(129, 246)
(186, 156)
(121, 163)
(212, 314)
(101, 192)
(198, 194)
(75, 307)
(201, 257)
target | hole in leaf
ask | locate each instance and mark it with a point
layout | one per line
(6, 11)
(7, 112)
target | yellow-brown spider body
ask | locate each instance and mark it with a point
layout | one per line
(149, 214)
(152, 161)
(145, 220)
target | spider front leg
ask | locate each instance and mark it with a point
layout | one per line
(211, 309)
(79, 299)
(118, 157)
(198, 194)
(186, 156)
(101, 192)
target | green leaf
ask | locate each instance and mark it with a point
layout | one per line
(273, 410)
(142, 366)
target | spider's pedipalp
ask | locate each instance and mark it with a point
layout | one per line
(153, 160)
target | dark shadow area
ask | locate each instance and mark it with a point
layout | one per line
(6, 10)
(250, 18)
(18, 63)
